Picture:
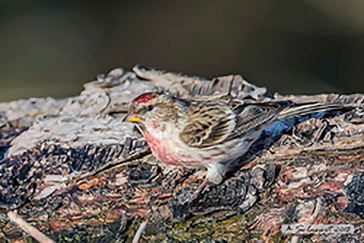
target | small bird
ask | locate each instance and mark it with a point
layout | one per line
(207, 133)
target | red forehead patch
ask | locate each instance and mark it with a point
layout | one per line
(144, 98)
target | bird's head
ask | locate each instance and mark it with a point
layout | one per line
(154, 109)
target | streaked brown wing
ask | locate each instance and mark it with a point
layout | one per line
(254, 116)
(211, 122)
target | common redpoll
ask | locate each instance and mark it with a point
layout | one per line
(207, 133)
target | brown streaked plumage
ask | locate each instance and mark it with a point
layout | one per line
(209, 123)
(207, 133)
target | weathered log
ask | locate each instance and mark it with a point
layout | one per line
(74, 171)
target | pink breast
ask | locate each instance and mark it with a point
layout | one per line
(165, 153)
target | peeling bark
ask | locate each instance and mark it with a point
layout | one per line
(72, 170)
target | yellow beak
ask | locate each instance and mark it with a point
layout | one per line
(132, 118)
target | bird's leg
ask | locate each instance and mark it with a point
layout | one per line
(214, 174)
(199, 189)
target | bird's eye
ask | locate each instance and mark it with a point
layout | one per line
(150, 107)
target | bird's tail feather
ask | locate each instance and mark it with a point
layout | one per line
(305, 109)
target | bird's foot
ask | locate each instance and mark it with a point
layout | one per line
(197, 192)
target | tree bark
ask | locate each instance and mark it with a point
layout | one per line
(74, 171)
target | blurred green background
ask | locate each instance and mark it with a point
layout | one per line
(51, 47)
